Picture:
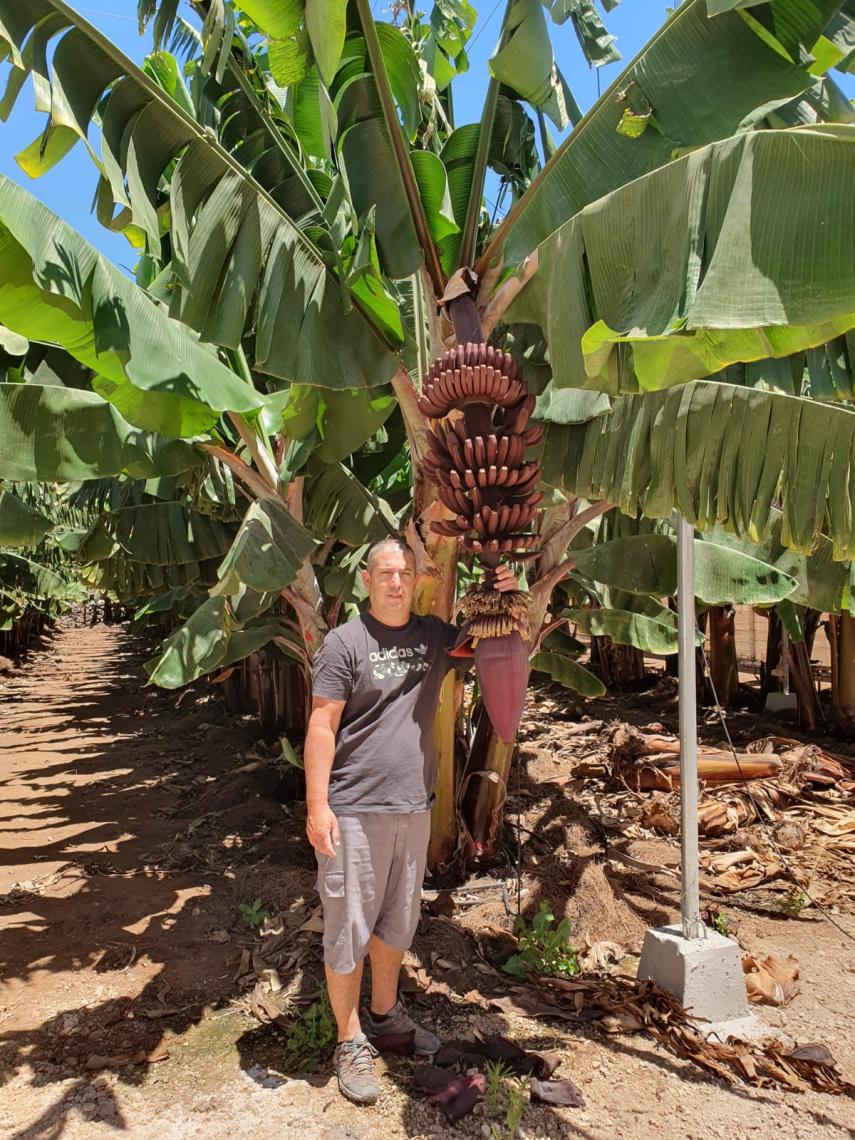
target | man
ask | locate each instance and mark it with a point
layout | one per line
(370, 774)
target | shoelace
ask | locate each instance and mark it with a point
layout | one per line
(359, 1059)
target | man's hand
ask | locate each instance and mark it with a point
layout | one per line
(322, 830)
(504, 579)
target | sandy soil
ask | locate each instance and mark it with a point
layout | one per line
(129, 837)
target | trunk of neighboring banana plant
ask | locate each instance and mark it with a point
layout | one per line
(618, 666)
(26, 629)
(271, 688)
(804, 686)
(769, 682)
(723, 667)
(841, 636)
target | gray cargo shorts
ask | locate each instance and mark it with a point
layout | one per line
(373, 884)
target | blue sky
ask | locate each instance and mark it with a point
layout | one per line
(69, 187)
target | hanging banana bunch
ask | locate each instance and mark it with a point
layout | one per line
(479, 439)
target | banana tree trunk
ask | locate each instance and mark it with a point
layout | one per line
(842, 638)
(723, 666)
(619, 666)
(434, 594)
(802, 681)
(484, 790)
(273, 690)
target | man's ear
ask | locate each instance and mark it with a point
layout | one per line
(366, 578)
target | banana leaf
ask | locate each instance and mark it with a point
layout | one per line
(161, 534)
(568, 673)
(240, 259)
(195, 648)
(688, 264)
(671, 77)
(338, 505)
(267, 552)
(647, 564)
(20, 525)
(55, 287)
(22, 577)
(64, 434)
(653, 635)
(718, 454)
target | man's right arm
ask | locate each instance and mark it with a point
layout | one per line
(318, 756)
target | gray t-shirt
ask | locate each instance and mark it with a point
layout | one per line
(390, 677)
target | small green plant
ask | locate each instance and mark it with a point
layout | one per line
(506, 1094)
(543, 948)
(311, 1034)
(794, 902)
(517, 1094)
(497, 1074)
(720, 922)
(253, 913)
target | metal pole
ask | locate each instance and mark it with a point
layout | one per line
(690, 908)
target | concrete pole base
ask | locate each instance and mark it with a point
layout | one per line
(781, 702)
(704, 974)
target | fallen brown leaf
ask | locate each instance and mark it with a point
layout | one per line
(562, 1092)
(772, 981)
(314, 923)
(526, 1003)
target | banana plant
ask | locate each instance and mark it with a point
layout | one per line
(305, 208)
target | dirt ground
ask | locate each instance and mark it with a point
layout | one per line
(133, 825)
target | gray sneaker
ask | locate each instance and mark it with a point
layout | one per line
(354, 1068)
(397, 1024)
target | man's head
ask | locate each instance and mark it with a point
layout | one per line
(390, 578)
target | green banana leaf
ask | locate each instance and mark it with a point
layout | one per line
(131, 582)
(160, 534)
(252, 638)
(194, 649)
(344, 420)
(652, 635)
(823, 373)
(717, 454)
(688, 263)
(239, 257)
(786, 25)
(338, 505)
(20, 525)
(58, 288)
(672, 76)
(525, 62)
(569, 405)
(595, 41)
(822, 583)
(64, 434)
(568, 673)
(647, 564)
(22, 577)
(267, 552)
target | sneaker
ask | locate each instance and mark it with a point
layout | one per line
(354, 1068)
(398, 1023)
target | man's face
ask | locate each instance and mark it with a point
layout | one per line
(390, 583)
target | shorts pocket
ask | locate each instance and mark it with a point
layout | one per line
(330, 882)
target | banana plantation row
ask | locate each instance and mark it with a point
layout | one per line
(216, 441)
